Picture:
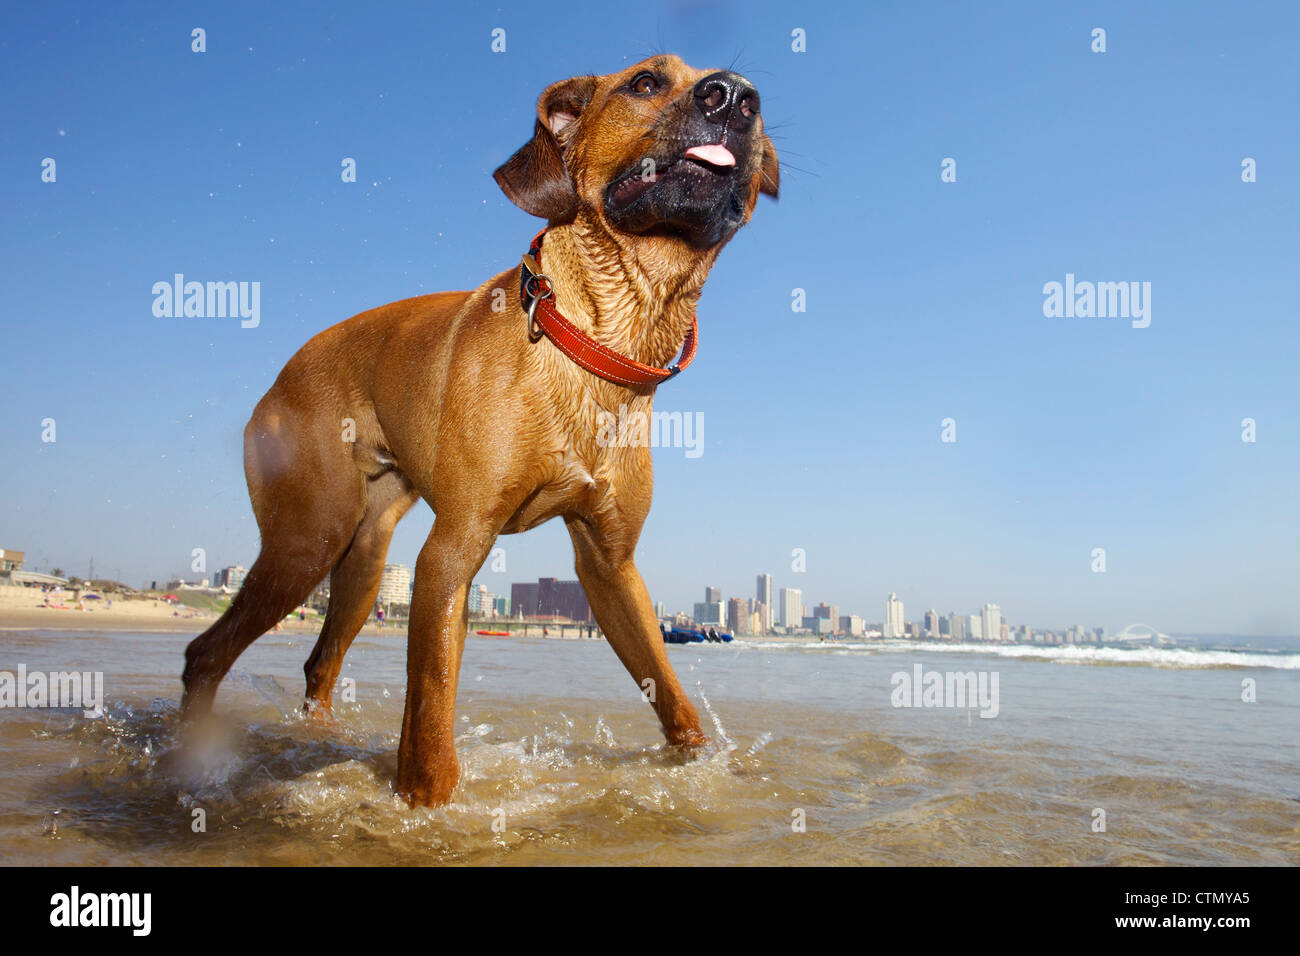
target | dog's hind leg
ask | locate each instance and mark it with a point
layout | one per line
(354, 585)
(308, 500)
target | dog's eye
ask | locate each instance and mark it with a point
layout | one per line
(644, 84)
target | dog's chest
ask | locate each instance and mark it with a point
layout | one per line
(578, 483)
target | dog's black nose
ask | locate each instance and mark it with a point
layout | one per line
(727, 99)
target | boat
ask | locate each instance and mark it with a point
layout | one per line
(493, 633)
(695, 635)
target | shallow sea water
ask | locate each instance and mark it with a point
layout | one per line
(562, 762)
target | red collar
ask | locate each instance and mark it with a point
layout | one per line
(538, 300)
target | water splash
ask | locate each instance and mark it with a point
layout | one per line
(717, 722)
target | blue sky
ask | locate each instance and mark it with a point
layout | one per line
(822, 428)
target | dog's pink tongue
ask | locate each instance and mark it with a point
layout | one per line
(715, 155)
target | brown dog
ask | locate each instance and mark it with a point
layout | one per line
(643, 176)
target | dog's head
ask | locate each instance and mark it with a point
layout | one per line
(658, 149)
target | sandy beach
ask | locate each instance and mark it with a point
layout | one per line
(22, 609)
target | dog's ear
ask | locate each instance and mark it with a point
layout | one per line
(771, 169)
(535, 178)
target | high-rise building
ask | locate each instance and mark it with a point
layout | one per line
(709, 612)
(819, 625)
(893, 616)
(712, 595)
(502, 606)
(975, 627)
(852, 625)
(956, 626)
(481, 601)
(763, 593)
(395, 585)
(232, 577)
(932, 623)
(738, 616)
(523, 599)
(762, 615)
(830, 612)
(550, 597)
(791, 607)
(991, 622)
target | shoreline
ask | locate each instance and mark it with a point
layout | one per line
(150, 618)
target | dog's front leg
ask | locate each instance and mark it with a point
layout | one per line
(622, 606)
(427, 768)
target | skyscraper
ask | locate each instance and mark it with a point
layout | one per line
(991, 622)
(395, 585)
(709, 612)
(791, 607)
(713, 595)
(481, 601)
(932, 623)
(893, 616)
(764, 591)
(738, 616)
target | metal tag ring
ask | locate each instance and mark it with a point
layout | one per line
(529, 285)
(534, 330)
(534, 280)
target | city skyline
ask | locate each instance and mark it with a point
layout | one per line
(398, 578)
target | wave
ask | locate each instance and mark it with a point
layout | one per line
(1172, 657)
